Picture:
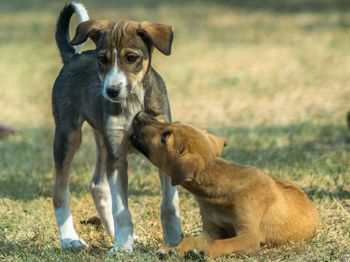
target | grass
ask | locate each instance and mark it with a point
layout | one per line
(272, 78)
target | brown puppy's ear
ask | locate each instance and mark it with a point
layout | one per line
(218, 143)
(161, 36)
(183, 169)
(90, 28)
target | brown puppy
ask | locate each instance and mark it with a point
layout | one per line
(241, 207)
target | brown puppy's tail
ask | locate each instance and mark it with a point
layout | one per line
(67, 50)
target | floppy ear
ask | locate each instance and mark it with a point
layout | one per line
(90, 28)
(218, 143)
(183, 169)
(161, 36)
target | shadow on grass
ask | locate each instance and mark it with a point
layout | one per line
(27, 167)
(38, 248)
(320, 152)
(315, 192)
(29, 250)
(293, 152)
(296, 144)
(25, 164)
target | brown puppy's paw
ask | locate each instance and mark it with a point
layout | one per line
(212, 252)
(195, 255)
(165, 253)
(185, 245)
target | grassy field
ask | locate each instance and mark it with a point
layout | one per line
(273, 77)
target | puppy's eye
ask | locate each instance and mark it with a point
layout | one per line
(164, 137)
(131, 58)
(102, 59)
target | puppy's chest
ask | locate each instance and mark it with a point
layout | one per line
(118, 125)
(122, 118)
(221, 216)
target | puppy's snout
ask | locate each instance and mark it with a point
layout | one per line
(137, 122)
(113, 91)
(141, 116)
(140, 120)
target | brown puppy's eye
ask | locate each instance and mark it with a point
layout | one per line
(164, 137)
(102, 59)
(131, 58)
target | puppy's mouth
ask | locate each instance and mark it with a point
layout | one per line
(114, 100)
(115, 96)
(116, 93)
(135, 141)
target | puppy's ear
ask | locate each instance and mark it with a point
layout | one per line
(183, 169)
(161, 36)
(91, 28)
(218, 143)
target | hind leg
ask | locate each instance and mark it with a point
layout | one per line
(99, 186)
(66, 144)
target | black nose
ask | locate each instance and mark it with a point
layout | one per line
(136, 122)
(140, 119)
(137, 117)
(113, 91)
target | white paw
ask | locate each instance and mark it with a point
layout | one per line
(69, 243)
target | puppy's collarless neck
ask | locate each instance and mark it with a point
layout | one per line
(205, 184)
(220, 180)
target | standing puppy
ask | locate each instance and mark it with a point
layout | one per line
(106, 87)
(241, 207)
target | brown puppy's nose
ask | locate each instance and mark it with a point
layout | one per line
(141, 116)
(113, 91)
(136, 122)
(140, 119)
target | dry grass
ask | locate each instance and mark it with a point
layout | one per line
(271, 76)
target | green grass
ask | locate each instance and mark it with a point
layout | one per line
(271, 76)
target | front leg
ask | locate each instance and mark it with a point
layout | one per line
(197, 243)
(245, 242)
(118, 182)
(170, 211)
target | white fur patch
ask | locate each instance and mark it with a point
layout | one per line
(83, 16)
(65, 223)
(100, 191)
(68, 237)
(115, 77)
(122, 219)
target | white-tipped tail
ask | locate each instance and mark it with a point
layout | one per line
(83, 16)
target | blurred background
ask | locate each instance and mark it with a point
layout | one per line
(272, 76)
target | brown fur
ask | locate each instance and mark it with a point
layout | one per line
(241, 207)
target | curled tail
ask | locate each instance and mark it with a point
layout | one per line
(67, 50)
